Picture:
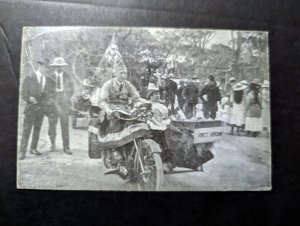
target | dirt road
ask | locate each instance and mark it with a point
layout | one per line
(240, 163)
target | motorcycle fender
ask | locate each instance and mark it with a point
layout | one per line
(155, 148)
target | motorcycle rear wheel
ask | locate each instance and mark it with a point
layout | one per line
(153, 179)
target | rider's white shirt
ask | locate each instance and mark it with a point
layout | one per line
(159, 120)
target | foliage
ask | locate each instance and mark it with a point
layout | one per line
(251, 54)
(147, 50)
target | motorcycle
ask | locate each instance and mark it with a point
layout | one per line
(144, 148)
(130, 152)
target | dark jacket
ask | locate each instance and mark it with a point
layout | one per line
(31, 88)
(171, 89)
(211, 90)
(179, 93)
(191, 93)
(62, 100)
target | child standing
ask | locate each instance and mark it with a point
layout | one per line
(237, 118)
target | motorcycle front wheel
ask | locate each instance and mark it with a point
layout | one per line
(151, 175)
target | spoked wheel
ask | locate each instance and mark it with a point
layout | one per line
(150, 176)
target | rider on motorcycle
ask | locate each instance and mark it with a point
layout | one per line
(117, 93)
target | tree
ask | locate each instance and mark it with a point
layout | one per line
(250, 57)
(144, 49)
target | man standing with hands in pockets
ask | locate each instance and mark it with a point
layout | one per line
(33, 94)
(63, 88)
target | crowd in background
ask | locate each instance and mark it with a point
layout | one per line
(246, 108)
(243, 107)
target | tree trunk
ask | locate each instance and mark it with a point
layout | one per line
(237, 53)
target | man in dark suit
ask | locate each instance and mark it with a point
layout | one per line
(190, 94)
(33, 93)
(213, 95)
(64, 89)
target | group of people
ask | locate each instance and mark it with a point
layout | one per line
(246, 107)
(46, 92)
(189, 94)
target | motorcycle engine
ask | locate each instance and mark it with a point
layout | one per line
(123, 171)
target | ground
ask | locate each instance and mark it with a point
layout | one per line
(240, 163)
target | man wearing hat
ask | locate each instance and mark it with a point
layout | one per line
(33, 93)
(212, 92)
(117, 92)
(190, 95)
(63, 87)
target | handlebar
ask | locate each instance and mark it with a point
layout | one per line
(136, 113)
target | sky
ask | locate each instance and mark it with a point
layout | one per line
(221, 37)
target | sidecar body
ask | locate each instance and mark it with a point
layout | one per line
(192, 141)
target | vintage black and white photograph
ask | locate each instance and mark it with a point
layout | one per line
(144, 109)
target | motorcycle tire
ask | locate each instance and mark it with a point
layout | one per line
(151, 153)
(94, 152)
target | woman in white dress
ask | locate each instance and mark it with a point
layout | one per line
(225, 105)
(225, 112)
(237, 118)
